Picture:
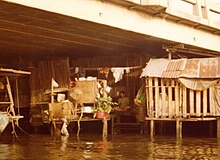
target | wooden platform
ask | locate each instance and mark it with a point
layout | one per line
(179, 122)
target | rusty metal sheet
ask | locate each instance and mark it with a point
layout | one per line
(208, 68)
(189, 68)
(155, 68)
(192, 69)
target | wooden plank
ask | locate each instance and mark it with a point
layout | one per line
(191, 102)
(170, 96)
(156, 97)
(205, 102)
(147, 96)
(151, 101)
(164, 101)
(198, 103)
(177, 99)
(211, 102)
(184, 101)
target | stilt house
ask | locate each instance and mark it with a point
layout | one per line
(182, 88)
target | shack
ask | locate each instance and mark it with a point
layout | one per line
(9, 97)
(92, 76)
(182, 90)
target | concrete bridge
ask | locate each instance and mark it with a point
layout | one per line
(109, 27)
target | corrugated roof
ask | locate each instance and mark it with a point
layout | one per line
(155, 68)
(189, 68)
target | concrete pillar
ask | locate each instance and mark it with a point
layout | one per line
(197, 10)
(206, 10)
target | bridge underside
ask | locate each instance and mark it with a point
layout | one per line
(34, 32)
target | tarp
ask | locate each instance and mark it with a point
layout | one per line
(203, 84)
(216, 99)
(4, 121)
(198, 84)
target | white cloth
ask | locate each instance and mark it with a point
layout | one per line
(198, 84)
(119, 72)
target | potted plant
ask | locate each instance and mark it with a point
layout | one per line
(104, 106)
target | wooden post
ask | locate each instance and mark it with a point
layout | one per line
(178, 129)
(198, 103)
(177, 99)
(105, 128)
(164, 104)
(17, 96)
(211, 102)
(205, 102)
(151, 128)
(52, 96)
(191, 102)
(156, 97)
(151, 107)
(147, 95)
(218, 128)
(10, 96)
(184, 101)
(170, 95)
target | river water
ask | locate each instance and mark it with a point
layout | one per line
(122, 146)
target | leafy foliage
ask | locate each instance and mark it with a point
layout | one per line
(104, 104)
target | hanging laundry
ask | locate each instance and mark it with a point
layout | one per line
(119, 72)
(104, 71)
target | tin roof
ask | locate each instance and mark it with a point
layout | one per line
(188, 68)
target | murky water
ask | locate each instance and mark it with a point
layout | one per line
(124, 146)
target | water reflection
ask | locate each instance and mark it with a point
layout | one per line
(118, 147)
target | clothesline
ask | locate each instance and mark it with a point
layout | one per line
(99, 68)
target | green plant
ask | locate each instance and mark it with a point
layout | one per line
(104, 104)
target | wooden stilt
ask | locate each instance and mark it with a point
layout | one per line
(105, 128)
(218, 128)
(178, 129)
(152, 128)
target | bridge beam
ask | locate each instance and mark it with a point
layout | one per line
(123, 17)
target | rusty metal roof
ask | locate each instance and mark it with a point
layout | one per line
(188, 68)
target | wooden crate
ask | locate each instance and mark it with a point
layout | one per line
(60, 110)
(89, 90)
